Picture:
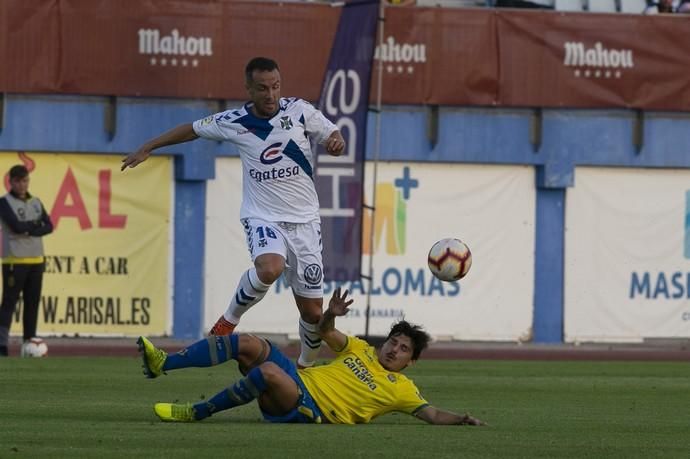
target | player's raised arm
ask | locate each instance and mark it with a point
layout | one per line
(338, 306)
(179, 134)
(433, 415)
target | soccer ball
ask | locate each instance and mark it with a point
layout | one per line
(35, 347)
(450, 259)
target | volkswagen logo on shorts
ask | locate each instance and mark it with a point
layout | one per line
(272, 154)
(312, 274)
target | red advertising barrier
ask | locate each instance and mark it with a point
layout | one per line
(195, 49)
(591, 60)
(29, 46)
(439, 56)
(166, 48)
(445, 56)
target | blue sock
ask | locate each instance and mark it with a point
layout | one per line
(204, 353)
(242, 392)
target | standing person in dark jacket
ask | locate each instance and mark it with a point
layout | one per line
(24, 222)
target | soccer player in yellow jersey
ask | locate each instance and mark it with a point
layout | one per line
(361, 383)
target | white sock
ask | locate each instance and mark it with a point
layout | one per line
(310, 343)
(250, 290)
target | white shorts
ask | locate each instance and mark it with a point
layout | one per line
(298, 243)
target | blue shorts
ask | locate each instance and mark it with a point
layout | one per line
(306, 411)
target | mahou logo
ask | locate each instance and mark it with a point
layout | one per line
(597, 61)
(400, 57)
(173, 49)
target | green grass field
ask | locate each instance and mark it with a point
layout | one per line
(102, 407)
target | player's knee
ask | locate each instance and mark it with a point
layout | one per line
(270, 371)
(248, 344)
(269, 275)
(269, 268)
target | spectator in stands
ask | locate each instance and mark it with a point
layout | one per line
(662, 6)
(684, 7)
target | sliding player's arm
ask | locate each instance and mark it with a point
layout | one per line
(436, 416)
(338, 306)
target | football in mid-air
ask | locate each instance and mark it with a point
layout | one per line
(35, 347)
(450, 259)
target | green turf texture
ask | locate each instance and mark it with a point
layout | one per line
(102, 408)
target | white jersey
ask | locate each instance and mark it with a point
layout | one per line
(277, 161)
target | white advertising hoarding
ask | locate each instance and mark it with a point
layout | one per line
(627, 255)
(491, 208)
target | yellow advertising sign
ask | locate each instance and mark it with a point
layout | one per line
(107, 260)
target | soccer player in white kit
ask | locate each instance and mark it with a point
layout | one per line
(280, 207)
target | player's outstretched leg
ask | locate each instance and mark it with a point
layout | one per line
(204, 353)
(250, 290)
(242, 392)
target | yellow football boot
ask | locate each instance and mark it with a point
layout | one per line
(173, 412)
(152, 357)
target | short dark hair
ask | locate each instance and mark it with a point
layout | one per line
(420, 338)
(263, 64)
(18, 172)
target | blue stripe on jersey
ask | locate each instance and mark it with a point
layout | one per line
(301, 119)
(284, 102)
(257, 126)
(293, 152)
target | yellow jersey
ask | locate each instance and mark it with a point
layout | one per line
(354, 388)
